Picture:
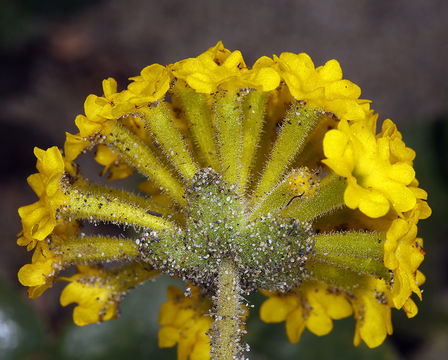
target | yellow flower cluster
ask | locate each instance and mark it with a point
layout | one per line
(314, 306)
(215, 69)
(54, 236)
(185, 321)
(298, 156)
(39, 218)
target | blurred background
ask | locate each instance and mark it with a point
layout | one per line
(54, 53)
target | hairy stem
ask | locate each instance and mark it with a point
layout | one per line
(226, 344)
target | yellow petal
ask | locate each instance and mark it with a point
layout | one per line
(34, 274)
(167, 313)
(276, 309)
(168, 336)
(410, 308)
(74, 145)
(318, 322)
(331, 71)
(295, 324)
(373, 204)
(342, 88)
(335, 143)
(109, 87)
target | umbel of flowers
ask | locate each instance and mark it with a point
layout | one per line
(272, 178)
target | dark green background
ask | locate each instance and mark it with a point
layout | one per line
(54, 53)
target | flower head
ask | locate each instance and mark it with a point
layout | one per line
(378, 178)
(269, 178)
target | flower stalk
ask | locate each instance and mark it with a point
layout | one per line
(299, 123)
(227, 335)
(133, 151)
(198, 115)
(97, 203)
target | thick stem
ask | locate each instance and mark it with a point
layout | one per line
(226, 344)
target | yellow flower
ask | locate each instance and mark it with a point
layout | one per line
(96, 302)
(185, 321)
(99, 110)
(98, 292)
(47, 259)
(322, 87)
(218, 68)
(46, 263)
(376, 180)
(39, 218)
(313, 306)
(399, 152)
(372, 313)
(403, 253)
(150, 86)
(111, 105)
